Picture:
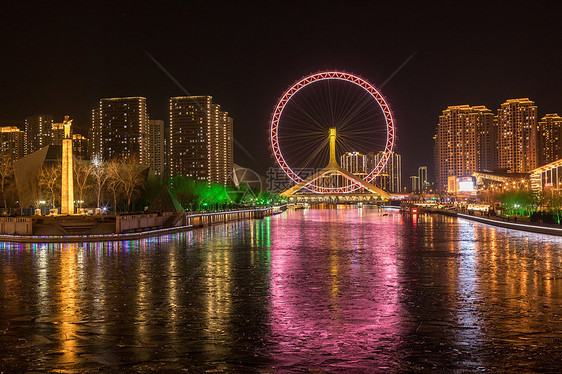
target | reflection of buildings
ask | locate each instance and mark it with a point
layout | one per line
(297, 294)
(119, 128)
(200, 143)
(517, 136)
(12, 142)
(355, 163)
(67, 301)
(37, 132)
(464, 143)
(219, 295)
(549, 134)
(390, 178)
(505, 262)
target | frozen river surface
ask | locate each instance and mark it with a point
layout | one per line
(348, 290)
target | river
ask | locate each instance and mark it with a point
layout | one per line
(335, 290)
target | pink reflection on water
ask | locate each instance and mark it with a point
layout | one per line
(336, 292)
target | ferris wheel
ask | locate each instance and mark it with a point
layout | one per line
(324, 116)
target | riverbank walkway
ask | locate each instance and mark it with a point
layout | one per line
(505, 222)
(118, 228)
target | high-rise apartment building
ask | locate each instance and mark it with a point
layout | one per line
(156, 146)
(465, 142)
(549, 135)
(12, 142)
(94, 135)
(200, 144)
(415, 183)
(517, 135)
(390, 177)
(422, 178)
(221, 145)
(228, 143)
(80, 147)
(355, 163)
(57, 134)
(37, 132)
(119, 128)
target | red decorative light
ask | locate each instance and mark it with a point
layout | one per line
(331, 75)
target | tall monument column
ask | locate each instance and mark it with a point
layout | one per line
(67, 188)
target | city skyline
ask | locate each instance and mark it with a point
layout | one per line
(423, 87)
(513, 141)
(489, 142)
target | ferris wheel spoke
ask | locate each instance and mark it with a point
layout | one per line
(301, 124)
(335, 97)
(318, 106)
(314, 106)
(361, 112)
(307, 114)
(300, 137)
(287, 136)
(365, 121)
(303, 148)
(330, 103)
(360, 132)
(304, 127)
(344, 104)
(307, 163)
(364, 143)
(353, 113)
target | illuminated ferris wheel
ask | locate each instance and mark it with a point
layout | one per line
(324, 116)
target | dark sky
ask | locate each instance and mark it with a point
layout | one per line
(61, 58)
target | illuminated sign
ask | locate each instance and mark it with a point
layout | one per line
(466, 184)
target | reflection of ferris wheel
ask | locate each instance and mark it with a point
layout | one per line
(316, 108)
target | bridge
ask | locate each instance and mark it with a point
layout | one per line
(333, 184)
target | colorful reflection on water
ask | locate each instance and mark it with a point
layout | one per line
(349, 304)
(351, 290)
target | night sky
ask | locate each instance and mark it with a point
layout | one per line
(61, 59)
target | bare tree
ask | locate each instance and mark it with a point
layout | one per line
(6, 176)
(113, 184)
(101, 177)
(49, 180)
(128, 173)
(82, 175)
